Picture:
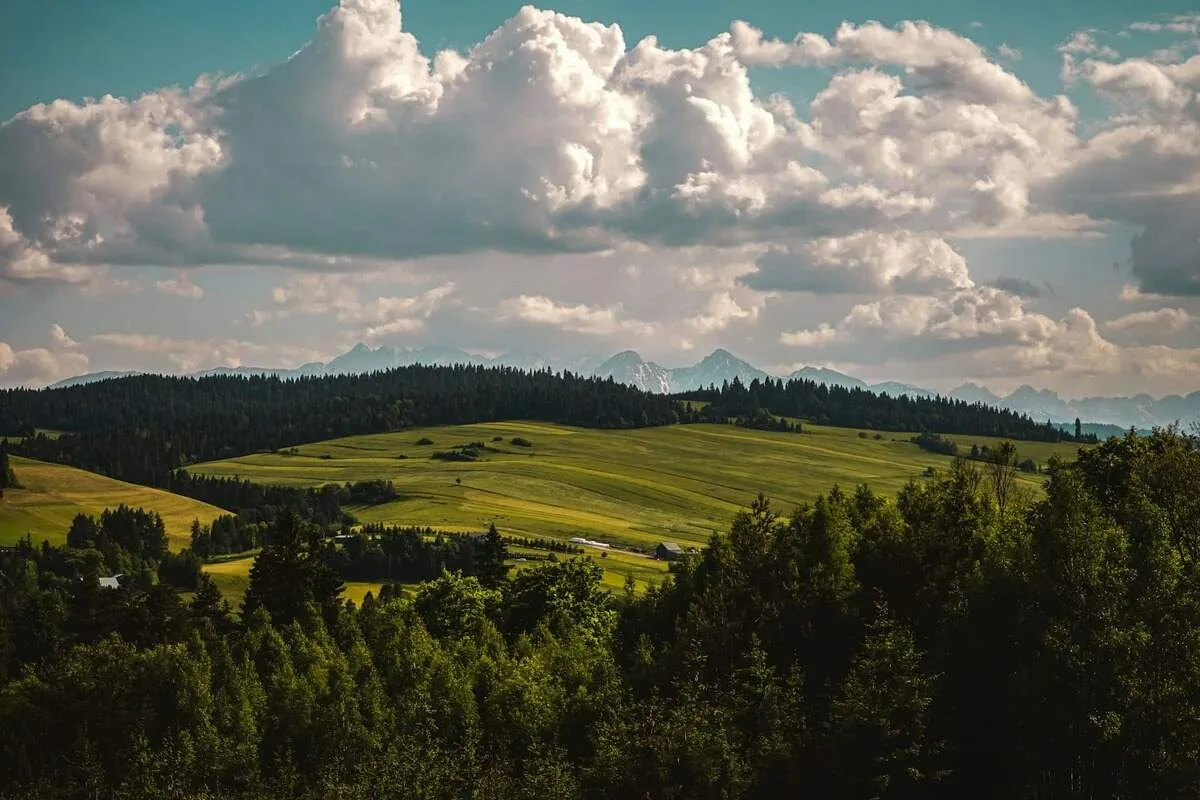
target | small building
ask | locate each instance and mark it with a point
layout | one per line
(668, 551)
(111, 582)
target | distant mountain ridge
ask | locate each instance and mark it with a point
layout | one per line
(1140, 411)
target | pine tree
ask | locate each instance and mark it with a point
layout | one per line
(291, 572)
(1078, 430)
(491, 553)
(8, 479)
(879, 741)
(209, 604)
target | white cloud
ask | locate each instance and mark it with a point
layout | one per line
(863, 263)
(578, 318)
(38, 366)
(1084, 43)
(1180, 23)
(1157, 321)
(338, 294)
(1142, 168)
(821, 335)
(721, 310)
(155, 352)
(1009, 52)
(551, 135)
(181, 286)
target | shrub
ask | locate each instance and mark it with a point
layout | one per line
(862, 434)
(497, 438)
(878, 436)
(423, 441)
(456, 455)
(935, 444)
(520, 442)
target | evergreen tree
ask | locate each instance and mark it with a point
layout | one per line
(1078, 430)
(490, 555)
(8, 479)
(879, 738)
(291, 572)
(209, 604)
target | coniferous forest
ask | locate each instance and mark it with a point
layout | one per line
(144, 428)
(948, 643)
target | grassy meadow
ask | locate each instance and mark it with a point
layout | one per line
(633, 488)
(52, 494)
(232, 576)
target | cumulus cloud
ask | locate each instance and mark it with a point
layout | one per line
(155, 352)
(552, 134)
(181, 286)
(338, 294)
(1162, 320)
(578, 318)
(1142, 167)
(38, 366)
(1179, 23)
(1017, 286)
(994, 325)
(558, 136)
(721, 310)
(1084, 43)
(862, 263)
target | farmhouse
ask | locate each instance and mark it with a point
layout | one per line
(668, 551)
(111, 582)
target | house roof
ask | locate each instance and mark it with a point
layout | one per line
(111, 582)
(674, 548)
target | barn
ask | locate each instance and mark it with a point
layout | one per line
(668, 551)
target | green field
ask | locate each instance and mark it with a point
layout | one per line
(52, 494)
(232, 577)
(633, 488)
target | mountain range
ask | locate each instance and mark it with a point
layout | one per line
(1104, 415)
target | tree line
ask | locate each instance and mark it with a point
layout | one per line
(861, 408)
(943, 644)
(144, 428)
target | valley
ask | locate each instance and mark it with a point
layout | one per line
(633, 488)
(52, 494)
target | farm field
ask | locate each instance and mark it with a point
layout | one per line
(232, 577)
(53, 494)
(632, 488)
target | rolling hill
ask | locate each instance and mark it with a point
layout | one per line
(52, 494)
(630, 487)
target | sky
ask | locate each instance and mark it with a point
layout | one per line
(926, 191)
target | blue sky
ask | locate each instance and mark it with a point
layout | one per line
(267, 221)
(77, 49)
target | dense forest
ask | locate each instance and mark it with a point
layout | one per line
(947, 643)
(145, 428)
(860, 408)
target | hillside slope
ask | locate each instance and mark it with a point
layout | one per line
(634, 487)
(52, 494)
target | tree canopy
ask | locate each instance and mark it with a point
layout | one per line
(858, 646)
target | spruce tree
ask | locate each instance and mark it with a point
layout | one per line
(8, 479)
(291, 572)
(491, 553)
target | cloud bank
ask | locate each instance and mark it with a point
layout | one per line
(556, 138)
